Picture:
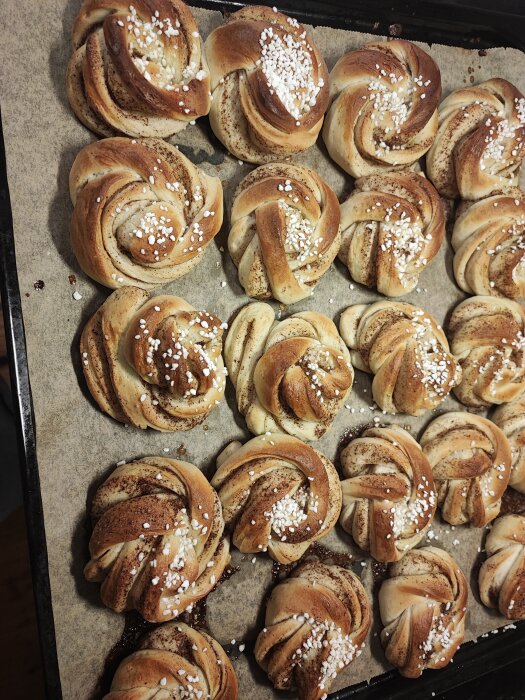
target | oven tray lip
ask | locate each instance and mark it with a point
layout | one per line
(452, 22)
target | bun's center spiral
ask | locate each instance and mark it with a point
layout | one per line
(179, 353)
(315, 382)
(150, 234)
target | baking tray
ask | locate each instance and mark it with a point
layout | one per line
(467, 23)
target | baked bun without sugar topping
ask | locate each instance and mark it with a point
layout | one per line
(502, 574)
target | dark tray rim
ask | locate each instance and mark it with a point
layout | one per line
(453, 22)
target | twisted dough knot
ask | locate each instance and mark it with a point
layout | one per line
(316, 624)
(278, 495)
(406, 350)
(157, 544)
(389, 498)
(144, 213)
(471, 460)
(480, 144)
(422, 606)
(502, 574)
(137, 69)
(291, 376)
(392, 226)
(510, 417)
(384, 111)
(175, 661)
(489, 240)
(153, 362)
(284, 231)
(269, 83)
(487, 336)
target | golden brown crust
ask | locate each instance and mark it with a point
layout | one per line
(389, 498)
(157, 544)
(405, 349)
(291, 376)
(487, 337)
(480, 142)
(392, 226)
(471, 461)
(284, 231)
(144, 213)
(510, 417)
(269, 84)
(153, 362)
(422, 606)
(489, 240)
(278, 495)
(316, 624)
(383, 115)
(502, 574)
(138, 70)
(173, 659)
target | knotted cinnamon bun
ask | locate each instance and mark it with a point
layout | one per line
(175, 661)
(406, 351)
(278, 495)
(422, 606)
(471, 461)
(137, 69)
(291, 376)
(487, 336)
(153, 362)
(502, 574)
(510, 417)
(269, 84)
(384, 107)
(389, 498)
(144, 213)
(316, 624)
(392, 226)
(489, 240)
(157, 544)
(480, 142)
(284, 231)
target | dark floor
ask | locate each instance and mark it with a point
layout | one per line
(21, 671)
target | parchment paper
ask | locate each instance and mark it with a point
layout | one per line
(77, 444)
